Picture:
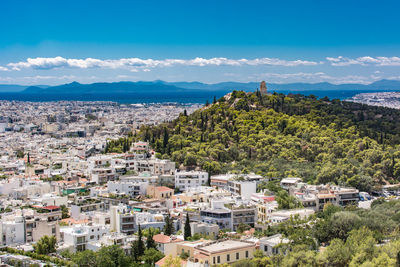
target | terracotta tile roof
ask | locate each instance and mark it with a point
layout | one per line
(164, 239)
(163, 188)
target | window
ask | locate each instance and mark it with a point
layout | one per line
(218, 259)
(247, 254)
(237, 255)
(265, 248)
(228, 258)
(214, 260)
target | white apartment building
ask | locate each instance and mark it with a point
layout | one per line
(185, 180)
(126, 220)
(129, 188)
(77, 237)
(31, 189)
(245, 189)
(102, 175)
(13, 231)
(143, 177)
(22, 226)
(8, 185)
(50, 200)
(270, 245)
(203, 228)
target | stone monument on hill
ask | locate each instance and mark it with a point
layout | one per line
(263, 88)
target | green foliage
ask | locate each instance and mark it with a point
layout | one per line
(86, 258)
(341, 223)
(150, 243)
(151, 256)
(121, 145)
(41, 257)
(286, 201)
(169, 227)
(171, 261)
(138, 247)
(45, 245)
(184, 255)
(299, 232)
(277, 135)
(243, 227)
(351, 239)
(64, 212)
(112, 256)
(20, 154)
(187, 230)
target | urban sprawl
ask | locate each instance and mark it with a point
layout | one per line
(57, 180)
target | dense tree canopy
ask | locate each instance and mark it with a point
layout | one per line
(285, 135)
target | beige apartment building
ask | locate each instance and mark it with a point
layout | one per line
(225, 251)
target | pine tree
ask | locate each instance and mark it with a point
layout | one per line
(187, 230)
(150, 241)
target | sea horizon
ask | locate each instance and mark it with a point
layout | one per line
(184, 98)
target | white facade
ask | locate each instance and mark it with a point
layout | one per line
(13, 231)
(78, 236)
(50, 200)
(125, 220)
(129, 188)
(270, 245)
(8, 185)
(185, 180)
(31, 189)
(245, 189)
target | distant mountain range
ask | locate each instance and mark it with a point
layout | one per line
(176, 87)
(16, 88)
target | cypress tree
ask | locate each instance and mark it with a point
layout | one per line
(139, 245)
(165, 140)
(168, 228)
(150, 241)
(215, 100)
(187, 230)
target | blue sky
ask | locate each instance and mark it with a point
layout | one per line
(53, 42)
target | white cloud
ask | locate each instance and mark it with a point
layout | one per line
(137, 63)
(313, 77)
(42, 78)
(364, 61)
(3, 68)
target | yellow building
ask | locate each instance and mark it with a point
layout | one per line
(160, 192)
(225, 251)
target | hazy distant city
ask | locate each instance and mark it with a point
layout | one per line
(381, 99)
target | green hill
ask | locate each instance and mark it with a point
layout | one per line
(286, 135)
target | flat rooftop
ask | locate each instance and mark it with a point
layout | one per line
(226, 245)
